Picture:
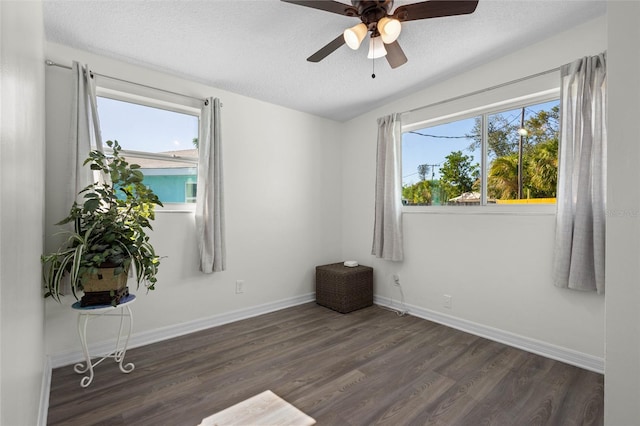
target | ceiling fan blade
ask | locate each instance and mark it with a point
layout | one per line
(326, 5)
(327, 50)
(434, 9)
(395, 54)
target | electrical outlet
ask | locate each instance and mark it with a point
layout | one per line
(239, 286)
(447, 301)
(396, 279)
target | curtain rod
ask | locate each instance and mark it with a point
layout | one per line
(53, 64)
(477, 92)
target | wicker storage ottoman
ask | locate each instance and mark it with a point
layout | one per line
(344, 289)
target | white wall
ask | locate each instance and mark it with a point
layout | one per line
(497, 267)
(622, 379)
(21, 210)
(282, 192)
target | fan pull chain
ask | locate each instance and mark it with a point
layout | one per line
(373, 68)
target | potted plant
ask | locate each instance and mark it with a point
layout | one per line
(108, 236)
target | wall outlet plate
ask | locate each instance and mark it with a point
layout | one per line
(448, 301)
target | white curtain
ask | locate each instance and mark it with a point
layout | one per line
(580, 221)
(84, 135)
(387, 231)
(85, 129)
(209, 196)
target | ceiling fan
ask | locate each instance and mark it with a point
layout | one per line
(383, 25)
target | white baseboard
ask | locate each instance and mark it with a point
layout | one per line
(569, 356)
(158, 335)
(45, 388)
(153, 336)
(559, 353)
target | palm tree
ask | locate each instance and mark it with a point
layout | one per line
(503, 178)
(542, 168)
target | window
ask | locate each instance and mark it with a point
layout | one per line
(440, 163)
(163, 142)
(509, 156)
(190, 192)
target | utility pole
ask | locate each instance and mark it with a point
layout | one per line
(432, 168)
(435, 194)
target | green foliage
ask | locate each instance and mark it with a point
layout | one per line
(543, 126)
(539, 155)
(418, 194)
(109, 228)
(503, 178)
(540, 178)
(542, 169)
(458, 174)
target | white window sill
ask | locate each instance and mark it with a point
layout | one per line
(523, 210)
(176, 208)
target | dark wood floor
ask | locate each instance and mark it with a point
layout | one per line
(363, 368)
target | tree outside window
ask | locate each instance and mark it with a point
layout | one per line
(441, 164)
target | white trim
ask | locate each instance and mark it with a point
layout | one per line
(169, 171)
(569, 356)
(496, 97)
(491, 209)
(169, 332)
(525, 101)
(45, 390)
(553, 71)
(176, 208)
(155, 156)
(559, 353)
(151, 98)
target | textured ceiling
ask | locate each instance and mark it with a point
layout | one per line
(259, 48)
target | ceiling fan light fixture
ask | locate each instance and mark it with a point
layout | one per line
(353, 36)
(389, 29)
(376, 48)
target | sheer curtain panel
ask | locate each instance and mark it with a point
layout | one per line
(580, 221)
(85, 129)
(387, 230)
(209, 196)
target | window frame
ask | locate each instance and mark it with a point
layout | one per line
(187, 198)
(485, 111)
(168, 103)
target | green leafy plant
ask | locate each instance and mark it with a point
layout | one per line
(109, 228)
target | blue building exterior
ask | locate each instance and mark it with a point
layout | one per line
(174, 180)
(172, 185)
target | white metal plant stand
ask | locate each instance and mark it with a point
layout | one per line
(85, 314)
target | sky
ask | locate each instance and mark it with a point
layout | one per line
(142, 128)
(432, 150)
